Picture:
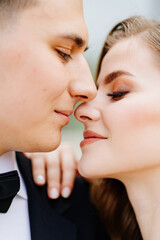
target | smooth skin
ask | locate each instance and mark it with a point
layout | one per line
(130, 122)
(43, 74)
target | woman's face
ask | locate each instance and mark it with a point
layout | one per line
(122, 124)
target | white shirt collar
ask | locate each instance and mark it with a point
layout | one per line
(8, 163)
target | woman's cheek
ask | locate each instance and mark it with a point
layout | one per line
(123, 114)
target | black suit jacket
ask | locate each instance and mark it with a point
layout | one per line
(62, 219)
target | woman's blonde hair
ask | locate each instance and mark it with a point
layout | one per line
(109, 195)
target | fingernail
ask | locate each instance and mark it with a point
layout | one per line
(40, 179)
(54, 193)
(66, 192)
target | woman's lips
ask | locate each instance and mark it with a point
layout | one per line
(90, 137)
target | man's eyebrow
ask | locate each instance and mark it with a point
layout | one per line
(86, 48)
(113, 75)
(76, 39)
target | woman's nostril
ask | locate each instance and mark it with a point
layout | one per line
(85, 118)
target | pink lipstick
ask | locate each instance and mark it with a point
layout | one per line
(90, 137)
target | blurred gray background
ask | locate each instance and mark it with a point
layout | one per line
(101, 16)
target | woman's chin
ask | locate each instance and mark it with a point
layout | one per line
(86, 170)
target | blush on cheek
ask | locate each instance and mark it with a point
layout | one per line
(144, 116)
(137, 114)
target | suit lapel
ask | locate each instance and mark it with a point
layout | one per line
(46, 220)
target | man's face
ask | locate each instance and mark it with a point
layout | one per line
(43, 74)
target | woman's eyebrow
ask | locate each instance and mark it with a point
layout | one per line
(113, 75)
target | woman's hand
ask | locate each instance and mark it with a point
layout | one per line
(57, 168)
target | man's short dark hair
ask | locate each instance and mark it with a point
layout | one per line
(16, 4)
(9, 8)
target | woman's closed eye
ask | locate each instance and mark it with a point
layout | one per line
(117, 95)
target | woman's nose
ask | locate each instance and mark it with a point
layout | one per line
(86, 112)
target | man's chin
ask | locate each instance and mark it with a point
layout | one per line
(43, 146)
(50, 147)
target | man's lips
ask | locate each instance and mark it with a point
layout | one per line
(90, 137)
(64, 114)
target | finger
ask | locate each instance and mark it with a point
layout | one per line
(38, 168)
(53, 175)
(69, 167)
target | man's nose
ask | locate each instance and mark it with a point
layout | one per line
(82, 86)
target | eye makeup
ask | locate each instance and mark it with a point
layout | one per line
(117, 95)
(119, 88)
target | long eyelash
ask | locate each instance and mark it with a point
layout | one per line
(115, 95)
(64, 55)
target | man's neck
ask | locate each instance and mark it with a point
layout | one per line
(7, 162)
(144, 193)
(2, 151)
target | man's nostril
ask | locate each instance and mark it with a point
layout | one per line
(82, 96)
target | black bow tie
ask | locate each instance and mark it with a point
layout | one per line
(9, 186)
